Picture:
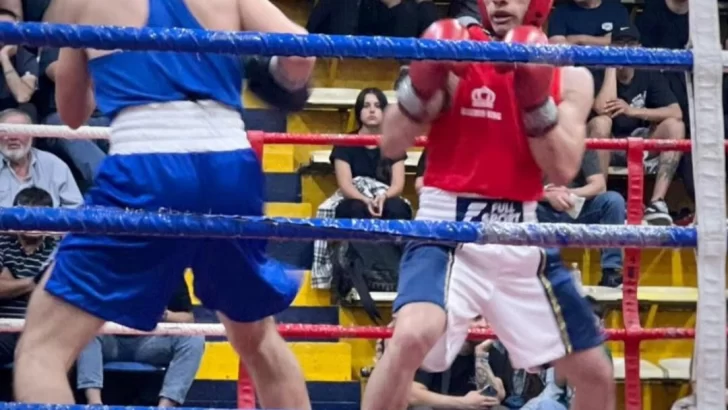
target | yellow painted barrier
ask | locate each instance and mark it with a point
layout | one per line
(279, 158)
(288, 209)
(320, 361)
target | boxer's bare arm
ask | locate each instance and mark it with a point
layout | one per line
(560, 151)
(262, 15)
(74, 93)
(399, 132)
(57, 11)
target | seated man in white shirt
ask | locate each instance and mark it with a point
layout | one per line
(23, 166)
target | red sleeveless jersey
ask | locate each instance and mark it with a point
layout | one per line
(478, 146)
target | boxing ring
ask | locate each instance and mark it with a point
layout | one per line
(705, 60)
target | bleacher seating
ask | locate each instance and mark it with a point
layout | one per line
(339, 97)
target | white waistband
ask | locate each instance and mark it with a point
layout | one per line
(436, 204)
(178, 127)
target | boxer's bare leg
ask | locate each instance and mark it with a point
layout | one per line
(276, 374)
(54, 335)
(591, 375)
(416, 330)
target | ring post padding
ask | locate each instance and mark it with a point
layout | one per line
(710, 200)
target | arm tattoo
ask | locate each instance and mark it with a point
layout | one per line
(667, 165)
(483, 373)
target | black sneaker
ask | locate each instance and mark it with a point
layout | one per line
(657, 214)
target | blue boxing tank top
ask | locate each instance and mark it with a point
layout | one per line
(135, 78)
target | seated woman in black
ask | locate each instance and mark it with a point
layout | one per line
(352, 162)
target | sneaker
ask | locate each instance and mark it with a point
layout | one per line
(657, 214)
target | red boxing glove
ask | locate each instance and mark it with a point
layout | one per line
(421, 95)
(532, 84)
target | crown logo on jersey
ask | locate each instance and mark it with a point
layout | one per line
(483, 97)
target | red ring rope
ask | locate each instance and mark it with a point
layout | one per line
(310, 331)
(633, 332)
(361, 140)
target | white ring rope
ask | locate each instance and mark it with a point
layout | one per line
(54, 131)
(163, 329)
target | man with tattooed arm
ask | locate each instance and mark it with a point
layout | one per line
(468, 384)
(638, 103)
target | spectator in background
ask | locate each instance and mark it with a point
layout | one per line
(631, 102)
(554, 396)
(519, 385)
(23, 259)
(20, 73)
(464, 8)
(587, 201)
(351, 163)
(24, 166)
(586, 22)
(369, 186)
(84, 156)
(664, 24)
(420, 173)
(181, 355)
(469, 383)
(393, 18)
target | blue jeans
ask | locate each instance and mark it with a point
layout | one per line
(84, 156)
(607, 208)
(181, 355)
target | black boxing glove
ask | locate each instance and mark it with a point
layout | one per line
(264, 85)
(33, 10)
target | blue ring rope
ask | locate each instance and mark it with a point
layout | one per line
(139, 223)
(251, 43)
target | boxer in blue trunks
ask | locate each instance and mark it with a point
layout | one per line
(178, 144)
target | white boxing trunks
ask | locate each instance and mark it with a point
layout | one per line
(523, 292)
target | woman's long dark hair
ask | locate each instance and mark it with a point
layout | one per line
(359, 104)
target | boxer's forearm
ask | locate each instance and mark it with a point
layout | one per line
(420, 396)
(399, 132)
(292, 73)
(74, 93)
(560, 150)
(558, 154)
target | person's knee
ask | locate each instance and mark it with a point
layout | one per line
(417, 328)
(613, 203)
(352, 208)
(589, 370)
(670, 128)
(397, 208)
(599, 127)
(251, 337)
(193, 346)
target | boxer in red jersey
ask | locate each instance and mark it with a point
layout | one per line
(495, 131)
